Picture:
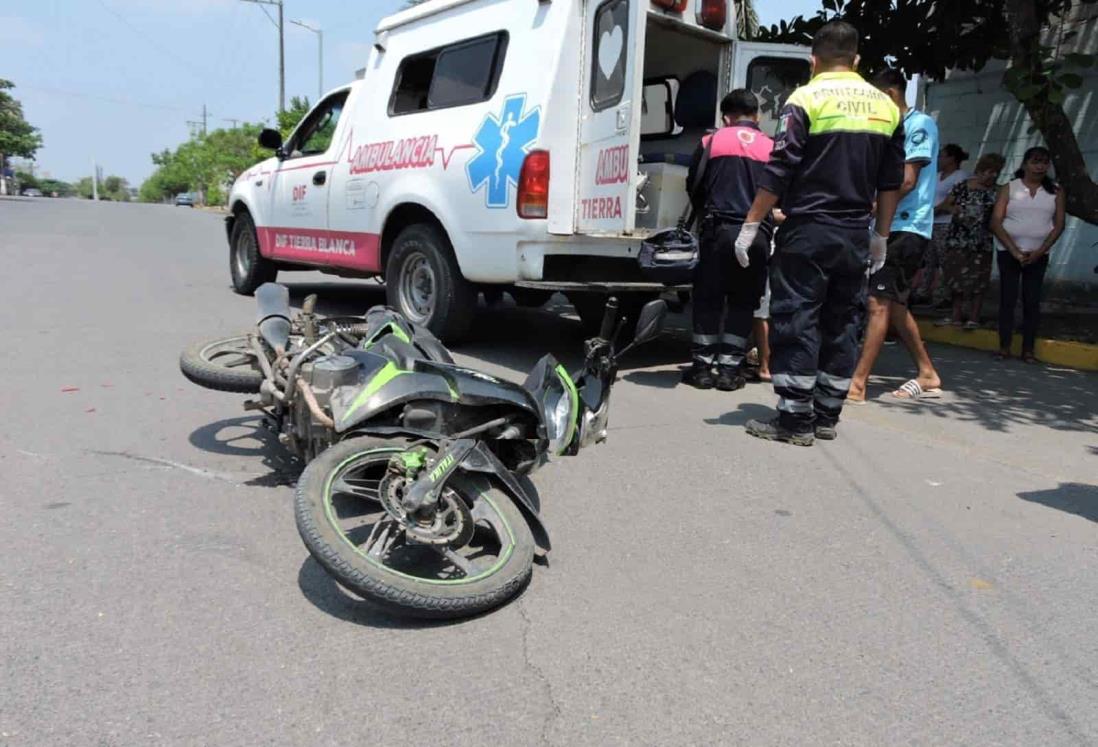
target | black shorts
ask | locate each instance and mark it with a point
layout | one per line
(905, 256)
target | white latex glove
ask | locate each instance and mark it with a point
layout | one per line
(744, 241)
(878, 251)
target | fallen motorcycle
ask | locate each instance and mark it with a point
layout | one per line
(411, 496)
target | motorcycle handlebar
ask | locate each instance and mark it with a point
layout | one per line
(609, 318)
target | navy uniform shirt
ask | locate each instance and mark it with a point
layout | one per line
(840, 141)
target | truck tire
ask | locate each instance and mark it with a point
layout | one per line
(248, 268)
(423, 282)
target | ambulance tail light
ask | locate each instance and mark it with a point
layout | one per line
(533, 187)
(675, 6)
(713, 14)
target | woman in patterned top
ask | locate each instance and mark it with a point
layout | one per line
(968, 243)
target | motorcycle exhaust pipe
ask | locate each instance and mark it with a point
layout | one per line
(273, 318)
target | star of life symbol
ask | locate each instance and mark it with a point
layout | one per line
(502, 144)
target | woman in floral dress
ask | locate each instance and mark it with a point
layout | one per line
(968, 255)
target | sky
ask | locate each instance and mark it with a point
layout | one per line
(116, 80)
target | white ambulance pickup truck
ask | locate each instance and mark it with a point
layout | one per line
(490, 145)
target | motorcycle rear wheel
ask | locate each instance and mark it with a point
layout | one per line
(345, 526)
(226, 365)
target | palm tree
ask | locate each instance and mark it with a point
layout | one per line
(747, 20)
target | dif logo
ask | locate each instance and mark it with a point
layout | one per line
(299, 192)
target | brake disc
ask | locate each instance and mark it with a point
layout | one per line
(450, 523)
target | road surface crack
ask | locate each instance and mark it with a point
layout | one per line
(165, 463)
(554, 711)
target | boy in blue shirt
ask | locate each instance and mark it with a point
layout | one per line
(890, 287)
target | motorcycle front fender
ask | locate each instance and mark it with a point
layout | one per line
(481, 460)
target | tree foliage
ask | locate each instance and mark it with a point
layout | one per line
(17, 136)
(205, 164)
(929, 37)
(111, 188)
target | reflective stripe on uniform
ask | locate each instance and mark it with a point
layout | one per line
(789, 381)
(833, 382)
(794, 406)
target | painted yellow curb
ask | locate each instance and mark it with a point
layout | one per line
(1079, 355)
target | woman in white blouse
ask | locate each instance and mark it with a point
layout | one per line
(1028, 220)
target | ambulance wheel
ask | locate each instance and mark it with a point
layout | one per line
(248, 268)
(423, 282)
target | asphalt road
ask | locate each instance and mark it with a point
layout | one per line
(930, 578)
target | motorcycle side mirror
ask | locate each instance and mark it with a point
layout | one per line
(650, 322)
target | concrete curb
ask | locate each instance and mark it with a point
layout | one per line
(1079, 355)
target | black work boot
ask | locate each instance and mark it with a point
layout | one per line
(729, 379)
(773, 430)
(826, 431)
(699, 376)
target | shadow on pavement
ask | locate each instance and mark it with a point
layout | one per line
(998, 394)
(505, 334)
(746, 411)
(247, 437)
(1073, 497)
(327, 596)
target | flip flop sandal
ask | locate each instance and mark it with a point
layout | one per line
(970, 326)
(912, 390)
(1029, 358)
(1001, 356)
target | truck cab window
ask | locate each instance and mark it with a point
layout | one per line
(608, 63)
(455, 75)
(316, 133)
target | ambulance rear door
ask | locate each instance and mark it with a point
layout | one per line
(610, 115)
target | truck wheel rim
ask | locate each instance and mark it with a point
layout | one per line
(417, 288)
(240, 258)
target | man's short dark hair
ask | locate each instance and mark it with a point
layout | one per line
(836, 43)
(889, 79)
(740, 103)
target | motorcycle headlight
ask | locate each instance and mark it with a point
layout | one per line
(560, 410)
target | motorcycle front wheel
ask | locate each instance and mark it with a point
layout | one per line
(477, 555)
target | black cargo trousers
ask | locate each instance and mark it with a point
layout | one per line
(726, 295)
(817, 299)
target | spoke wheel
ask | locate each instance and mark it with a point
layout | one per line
(472, 552)
(228, 365)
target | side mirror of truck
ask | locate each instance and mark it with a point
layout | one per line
(271, 139)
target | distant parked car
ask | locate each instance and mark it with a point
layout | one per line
(184, 200)
(32, 192)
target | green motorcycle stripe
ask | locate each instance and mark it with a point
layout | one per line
(573, 395)
(328, 511)
(381, 378)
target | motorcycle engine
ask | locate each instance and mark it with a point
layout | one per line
(324, 376)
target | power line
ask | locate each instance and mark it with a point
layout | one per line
(281, 47)
(187, 64)
(273, 21)
(112, 99)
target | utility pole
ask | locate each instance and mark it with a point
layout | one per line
(319, 55)
(281, 51)
(230, 119)
(204, 115)
(95, 180)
